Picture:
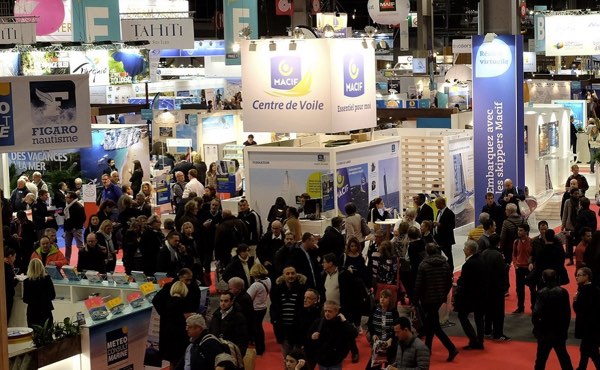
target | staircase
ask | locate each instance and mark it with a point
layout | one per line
(550, 210)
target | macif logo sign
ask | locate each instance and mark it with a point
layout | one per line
(354, 75)
(287, 77)
(387, 5)
(7, 134)
(286, 72)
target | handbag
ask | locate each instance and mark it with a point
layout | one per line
(364, 228)
(524, 209)
(250, 359)
(414, 314)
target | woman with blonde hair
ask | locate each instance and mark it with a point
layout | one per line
(211, 175)
(173, 337)
(259, 292)
(106, 242)
(38, 293)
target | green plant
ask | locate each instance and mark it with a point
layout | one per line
(65, 329)
(50, 332)
(44, 334)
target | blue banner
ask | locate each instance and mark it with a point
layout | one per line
(499, 142)
(7, 131)
(237, 15)
(578, 111)
(96, 20)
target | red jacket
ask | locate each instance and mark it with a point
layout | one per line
(521, 252)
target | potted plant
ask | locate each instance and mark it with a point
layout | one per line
(56, 341)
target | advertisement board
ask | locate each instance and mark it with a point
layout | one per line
(44, 112)
(572, 35)
(54, 23)
(20, 32)
(93, 63)
(319, 85)
(578, 111)
(497, 118)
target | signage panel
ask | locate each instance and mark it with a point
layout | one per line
(461, 46)
(238, 14)
(572, 35)
(55, 114)
(96, 20)
(17, 33)
(306, 88)
(162, 33)
(54, 22)
(498, 118)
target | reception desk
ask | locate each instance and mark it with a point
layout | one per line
(118, 342)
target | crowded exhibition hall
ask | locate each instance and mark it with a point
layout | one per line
(299, 185)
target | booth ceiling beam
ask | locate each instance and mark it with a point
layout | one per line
(384, 114)
(154, 15)
(109, 109)
(19, 19)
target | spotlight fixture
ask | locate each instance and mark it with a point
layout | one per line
(252, 46)
(297, 33)
(245, 33)
(370, 31)
(489, 37)
(293, 45)
(328, 31)
(272, 46)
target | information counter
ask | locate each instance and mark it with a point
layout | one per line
(118, 342)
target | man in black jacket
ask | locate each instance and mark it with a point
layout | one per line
(268, 245)
(471, 295)
(587, 324)
(203, 349)
(40, 214)
(495, 211)
(331, 337)
(333, 241)
(551, 318)
(443, 232)
(228, 323)
(424, 211)
(74, 218)
(304, 260)
(495, 270)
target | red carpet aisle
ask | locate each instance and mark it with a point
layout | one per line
(512, 355)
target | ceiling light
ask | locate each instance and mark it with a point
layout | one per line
(245, 33)
(252, 46)
(328, 31)
(272, 46)
(293, 45)
(235, 47)
(370, 31)
(297, 33)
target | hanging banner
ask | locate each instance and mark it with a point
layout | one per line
(539, 24)
(388, 11)
(20, 32)
(96, 20)
(54, 18)
(238, 14)
(153, 6)
(324, 85)
(55, 116)
(162, 33)
(498, 118)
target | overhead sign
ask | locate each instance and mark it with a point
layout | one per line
(572, 35)
(498, 117)
(339, 21)
(539, 25)
(461, 46)
(325, 85)
(388, 11)
(238, 14)
(19, 32)
(162, 33)
(44, 113)
(96, 20)
(150, 6)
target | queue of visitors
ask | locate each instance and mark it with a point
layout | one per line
(316, 290)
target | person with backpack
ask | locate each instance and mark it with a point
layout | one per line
(508, 235)
(203, 347)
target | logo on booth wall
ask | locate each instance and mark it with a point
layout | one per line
(287, 77)
(387, 5)
(354, 75)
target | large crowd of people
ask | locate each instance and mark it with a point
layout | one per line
(317, 290)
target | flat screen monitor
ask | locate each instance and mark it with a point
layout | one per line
(312, 208)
